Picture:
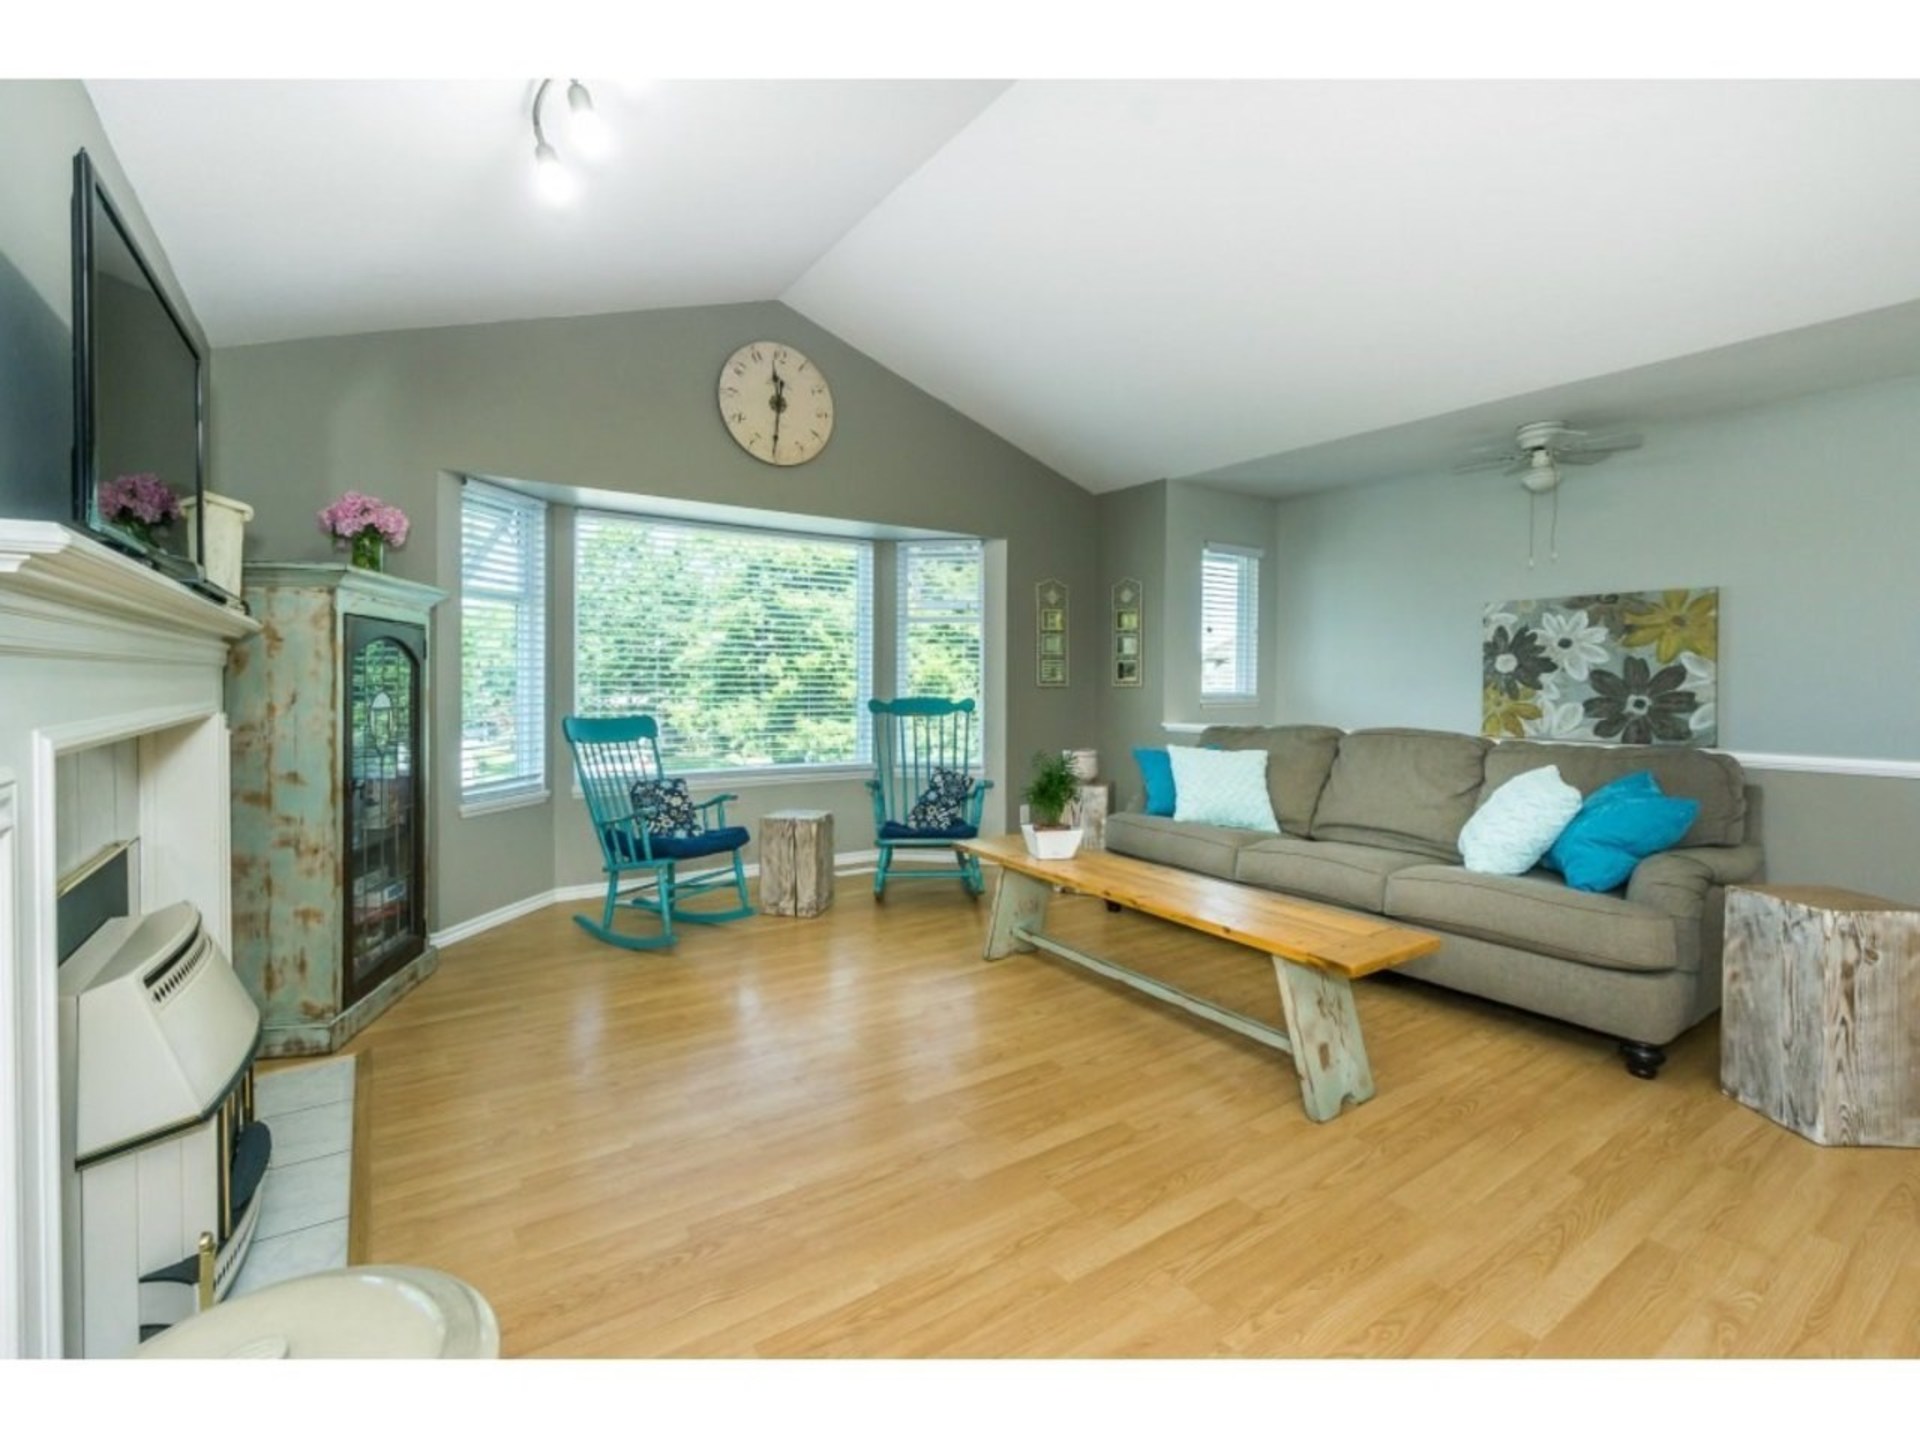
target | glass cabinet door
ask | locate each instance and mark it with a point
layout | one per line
(385, 882)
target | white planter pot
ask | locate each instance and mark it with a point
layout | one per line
(225, 527)
(1051, 844)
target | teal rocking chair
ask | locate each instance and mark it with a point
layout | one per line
(925, 796)
(647, 824)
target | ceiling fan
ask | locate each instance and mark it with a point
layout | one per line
(1541, 448)
(1536, 455)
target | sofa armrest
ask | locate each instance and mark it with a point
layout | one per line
(1677, 881)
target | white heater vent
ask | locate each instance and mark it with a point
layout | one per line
(157, 1032)
(172, 977)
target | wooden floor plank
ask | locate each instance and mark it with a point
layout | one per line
(849, 1135)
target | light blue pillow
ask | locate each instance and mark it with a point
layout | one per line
(1222, 787)
(1618, 826)
(1157, 773)
(1510, 832)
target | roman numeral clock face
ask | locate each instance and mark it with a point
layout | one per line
(775, 403)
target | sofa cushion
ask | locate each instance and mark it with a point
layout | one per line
(1222, 787)
(1298, 759)
(1156, 776)
(1350, 875)
(1714, 779)
(1207, 849)
(1536, 912)
(1618, 826)
(1516, 823)
(1407, 790)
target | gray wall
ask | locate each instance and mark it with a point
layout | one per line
(42, 124)
(1803, 514)
(1156, 533)
(1133, 529)
(625, 403)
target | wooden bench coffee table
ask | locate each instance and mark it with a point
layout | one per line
(1317, 952)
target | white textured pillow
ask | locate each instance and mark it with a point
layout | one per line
(1518, 823)
(1222, 787)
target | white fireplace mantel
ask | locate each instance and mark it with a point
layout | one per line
(95, 649)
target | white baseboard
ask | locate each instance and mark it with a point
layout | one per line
(846, 862)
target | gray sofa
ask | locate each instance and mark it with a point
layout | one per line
(1370, 821)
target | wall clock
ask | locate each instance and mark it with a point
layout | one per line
(775, 403)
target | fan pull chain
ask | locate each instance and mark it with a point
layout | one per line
(1553, 526)
(1532, 502)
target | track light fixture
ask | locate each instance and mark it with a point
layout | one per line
(586, 128)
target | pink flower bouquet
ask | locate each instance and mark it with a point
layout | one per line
(144, 499)
(354, 515)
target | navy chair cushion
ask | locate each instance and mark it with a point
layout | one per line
(626, 844)
(894, 830)
(711, 842)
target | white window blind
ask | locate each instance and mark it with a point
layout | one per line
(503, 643)
(752, 648)
(942, 618)
(1229, 622)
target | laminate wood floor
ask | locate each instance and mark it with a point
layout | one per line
(850, 1136)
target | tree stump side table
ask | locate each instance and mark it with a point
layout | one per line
(796, 862)
(1092, 798)
(1820, 1019)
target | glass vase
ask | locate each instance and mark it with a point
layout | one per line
(369, 551)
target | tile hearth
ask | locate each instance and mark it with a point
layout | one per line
(304, 1214)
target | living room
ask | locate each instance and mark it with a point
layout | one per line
(1788, 495)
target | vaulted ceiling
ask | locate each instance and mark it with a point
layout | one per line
(1275, 285)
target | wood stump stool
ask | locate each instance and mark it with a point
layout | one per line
(796, 862)
(1820, 1022)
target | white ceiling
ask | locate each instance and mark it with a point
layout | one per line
(1277, 285)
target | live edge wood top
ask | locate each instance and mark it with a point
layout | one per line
(1299, 930)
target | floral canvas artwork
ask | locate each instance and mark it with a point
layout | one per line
(1638, 668)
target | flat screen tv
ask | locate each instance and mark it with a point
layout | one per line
(139, 407)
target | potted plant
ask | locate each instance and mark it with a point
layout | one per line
(1051, 794)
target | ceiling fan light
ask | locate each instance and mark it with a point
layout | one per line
(1542, 474)
(554, 182)
(586, 126)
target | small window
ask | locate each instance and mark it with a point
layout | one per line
(1229, 623)
(503, 644)
(942, 619)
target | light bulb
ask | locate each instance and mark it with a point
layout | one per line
(553, 180)
(586, 126)
(1542, 475)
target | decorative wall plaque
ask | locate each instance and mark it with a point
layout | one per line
(1050, 597)
(1129, 637)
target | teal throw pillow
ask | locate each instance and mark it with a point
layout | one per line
(1618, 826)
(1156, 770)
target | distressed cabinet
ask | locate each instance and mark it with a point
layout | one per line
(328, 706)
